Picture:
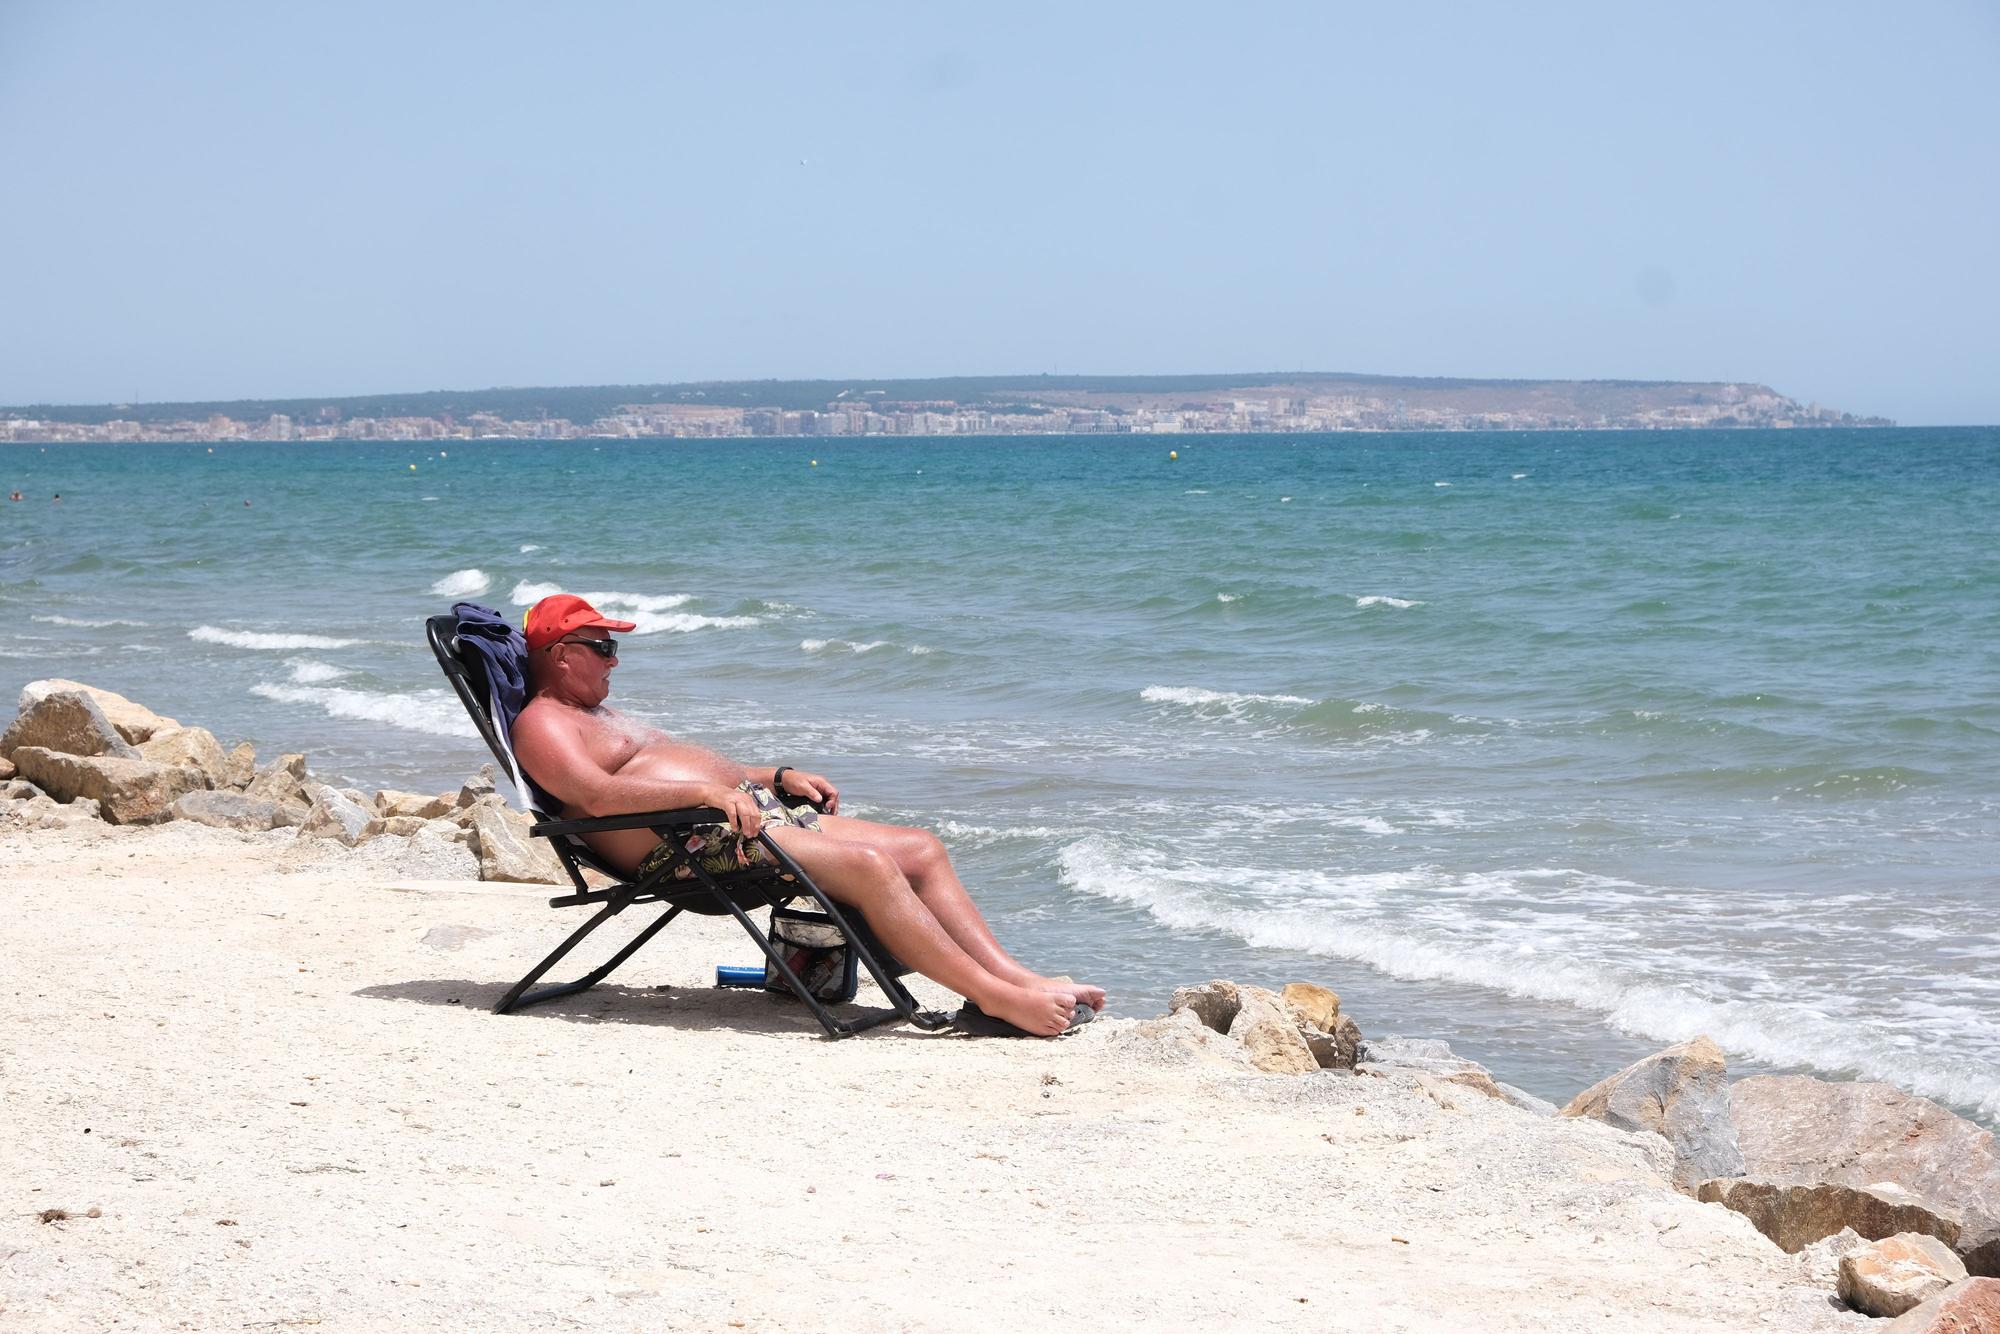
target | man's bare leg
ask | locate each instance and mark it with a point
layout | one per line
(926, 864)
(867, 879)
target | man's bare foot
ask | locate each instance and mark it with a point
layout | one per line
(1043, 1013)
(1082, 993)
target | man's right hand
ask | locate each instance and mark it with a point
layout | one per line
(744, 817)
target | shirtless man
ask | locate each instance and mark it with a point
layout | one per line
(597, 762)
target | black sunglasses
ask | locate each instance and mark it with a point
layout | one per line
(603, 648)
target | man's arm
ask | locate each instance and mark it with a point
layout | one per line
(555, 752)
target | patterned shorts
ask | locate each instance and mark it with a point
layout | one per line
(719, 849)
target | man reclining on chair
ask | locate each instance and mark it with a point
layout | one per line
(598, 762)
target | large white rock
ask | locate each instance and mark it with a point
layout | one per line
(228, 810)
(1681, 1094)
(127, 791)
(135, 722)
(506, 852)
(1269, 1031)
(335, 815)
(69, 722)
(193, 747)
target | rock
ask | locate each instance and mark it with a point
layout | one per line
(334, 815)
(68, 722)
(1315, 1005)
(1971, 1307)
(1430, 1055)
(1797, 1214)
(418, 804)
(1681, 1094)
(194, 747)
(283, 782)
(128, 791)
(20, 789)
(1347, 1043)
(1214, 1003)
(135, 722)
(42, 811)
(1525, 1100)
(1267, 1030)
(1184, 1030)
(477, 786)
(1820, 1262)
(450, 831)
(239, 766)
(6, 770)
(396, 826)
(1796, 1128)
(507, 854)
(228, 810)
(1890, 1276)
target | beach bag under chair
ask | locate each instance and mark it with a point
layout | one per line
(484, 658)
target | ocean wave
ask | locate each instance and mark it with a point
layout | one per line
(462, 584)
(306, 672)
(1228, 597)
(528, 547)
(1198, 698)
(651, 613)
(81, 624)
(1781, 1033)
(821, 645)
(1382, 600)
(258, 639)
(436, 712)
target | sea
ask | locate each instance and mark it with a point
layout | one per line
(1560, 747)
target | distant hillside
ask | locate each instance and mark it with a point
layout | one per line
(1584, 398)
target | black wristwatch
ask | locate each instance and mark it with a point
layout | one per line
(778, 779)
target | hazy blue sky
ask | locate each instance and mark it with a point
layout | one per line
(225, 201)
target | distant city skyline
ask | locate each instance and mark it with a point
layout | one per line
(228, 202)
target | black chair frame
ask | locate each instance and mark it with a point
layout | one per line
(699, 893)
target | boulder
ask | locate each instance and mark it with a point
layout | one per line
(45, 812)
(282, 781)
(194, 747)
(1797, 1214)
(1971, 1307)
(478, 786)
(228, 810)
(6, 770)
(398, 826)
(1214, 1003)
(1890, 1276)
(450, 831)
(68, 722)
(239, 766)
(421, 805)
(1265, 1026)
(334, 815)
(1183, 1030)
(1796, 1128)
(135, 722)
(1525, 1100)
(19, 789)
(1315, 1006)
(1681, 1094)
(1347, 1042)
(128, 791)
(505, 853)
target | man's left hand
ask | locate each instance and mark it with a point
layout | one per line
(813, 787)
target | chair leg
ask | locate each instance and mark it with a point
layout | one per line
(520, 997)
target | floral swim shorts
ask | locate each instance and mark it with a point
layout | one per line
(718, 849)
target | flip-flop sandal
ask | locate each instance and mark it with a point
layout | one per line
(977, 1023)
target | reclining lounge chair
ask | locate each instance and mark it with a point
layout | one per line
(735, 894)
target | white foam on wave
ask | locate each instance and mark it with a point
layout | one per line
(651, 613)
(1196, 697)
(258, 639)
(1778, 1033)
(1440, 483)
(849, 645)
(1382, 600)
(462, 584)
(435, 712)
(80, 624)
(1228, 597)
(527, 547)
(1519, 475)
(306, 672)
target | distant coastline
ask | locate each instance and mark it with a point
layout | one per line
(970, 406)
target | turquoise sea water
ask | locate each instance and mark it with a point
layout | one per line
(1557, 746)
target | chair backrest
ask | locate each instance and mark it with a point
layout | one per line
(468, 681)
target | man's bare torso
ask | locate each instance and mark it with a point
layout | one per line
(623, 745)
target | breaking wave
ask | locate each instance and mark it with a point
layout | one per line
(436, 712)
(258, 639)
(462, 584)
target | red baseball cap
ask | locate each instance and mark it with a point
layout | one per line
(560, 613)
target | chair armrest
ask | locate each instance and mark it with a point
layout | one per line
(604, 824)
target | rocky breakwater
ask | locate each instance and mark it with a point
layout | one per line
(77, 755)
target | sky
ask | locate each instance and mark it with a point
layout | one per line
(204, 201)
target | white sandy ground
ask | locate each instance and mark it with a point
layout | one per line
(272, 1067)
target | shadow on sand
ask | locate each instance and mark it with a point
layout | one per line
(748, 1010)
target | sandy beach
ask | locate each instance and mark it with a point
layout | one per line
(259, 1074)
